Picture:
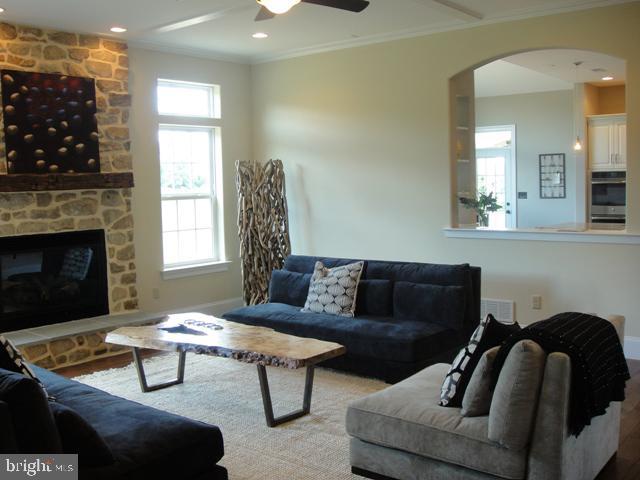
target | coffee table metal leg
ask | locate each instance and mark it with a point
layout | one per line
(143, 378)
(266, 398)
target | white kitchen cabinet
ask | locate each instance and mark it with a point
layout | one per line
(608, 142)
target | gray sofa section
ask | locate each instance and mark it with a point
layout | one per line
(401, 433)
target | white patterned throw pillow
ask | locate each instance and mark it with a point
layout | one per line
(333, 290)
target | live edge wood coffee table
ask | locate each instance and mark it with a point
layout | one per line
(207, 335)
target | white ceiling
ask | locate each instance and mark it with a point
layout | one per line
(223, 28)
(505, 78)
(546, 70)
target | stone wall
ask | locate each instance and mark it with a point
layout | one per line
(72, 350)
(48, 212)
(106, 60)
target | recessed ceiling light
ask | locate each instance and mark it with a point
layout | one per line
(607, 78)
(118, 29)
(1, 10)
(260, 35)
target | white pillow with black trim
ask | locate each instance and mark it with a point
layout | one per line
(333, 290)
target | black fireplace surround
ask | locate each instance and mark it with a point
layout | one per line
(52, 278)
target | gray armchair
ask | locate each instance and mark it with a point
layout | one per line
(401, 433)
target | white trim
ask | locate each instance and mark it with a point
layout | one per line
(558, 235)
(194, 270)
(632, 348)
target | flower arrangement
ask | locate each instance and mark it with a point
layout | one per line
(483, 204)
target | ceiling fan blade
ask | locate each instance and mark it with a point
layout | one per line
(350, 5)
(264, 14)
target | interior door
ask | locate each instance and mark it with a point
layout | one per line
(496, 171)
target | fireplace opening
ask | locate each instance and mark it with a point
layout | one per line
(52, 278)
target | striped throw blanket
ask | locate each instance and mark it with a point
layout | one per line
(598, 368)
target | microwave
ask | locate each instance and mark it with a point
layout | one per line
(608, 197)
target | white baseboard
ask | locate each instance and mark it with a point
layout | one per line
(214, 308)
(632, 348)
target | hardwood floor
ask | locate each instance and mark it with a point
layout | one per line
(624, 466)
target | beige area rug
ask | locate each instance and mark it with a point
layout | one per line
(226, 393)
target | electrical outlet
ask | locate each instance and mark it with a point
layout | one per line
(536, 302)
(155, 293)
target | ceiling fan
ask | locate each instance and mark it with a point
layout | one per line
(271, 8)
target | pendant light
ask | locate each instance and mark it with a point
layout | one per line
(578, 145)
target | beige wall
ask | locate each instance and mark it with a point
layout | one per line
(234, 80)
(544, 124)
(364, 137)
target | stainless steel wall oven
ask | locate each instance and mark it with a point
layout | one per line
(608, 197)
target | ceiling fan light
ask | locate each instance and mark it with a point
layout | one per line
(278, 6)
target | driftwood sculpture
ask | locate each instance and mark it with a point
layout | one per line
(263, 225)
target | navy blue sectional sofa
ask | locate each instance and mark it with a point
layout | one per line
(408, 315)
(145, 443)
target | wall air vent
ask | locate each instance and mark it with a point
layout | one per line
(502, 310)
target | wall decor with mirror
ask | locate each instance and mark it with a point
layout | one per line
(552, 176)
(547, 99)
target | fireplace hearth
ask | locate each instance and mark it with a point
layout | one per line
(52, 278)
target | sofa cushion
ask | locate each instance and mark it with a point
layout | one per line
(433, 303)
(374, 297)
(289, 287)
(145, 442)
(367, 336)
(490, 333)
(33, 423)
(515, 398)
(79, 437)
(406, 416)
(477, 397)
(334, 290)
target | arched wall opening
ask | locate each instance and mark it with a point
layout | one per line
(516, 122)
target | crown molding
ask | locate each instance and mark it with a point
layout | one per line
(521, 14)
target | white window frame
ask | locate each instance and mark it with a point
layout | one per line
(212, 124)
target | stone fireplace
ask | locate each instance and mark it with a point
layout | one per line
(50, 203)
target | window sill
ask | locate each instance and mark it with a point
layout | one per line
(195, 270)
(575, 235)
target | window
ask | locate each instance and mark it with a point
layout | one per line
(189, 147)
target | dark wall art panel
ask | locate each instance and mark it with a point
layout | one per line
(50, 123)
